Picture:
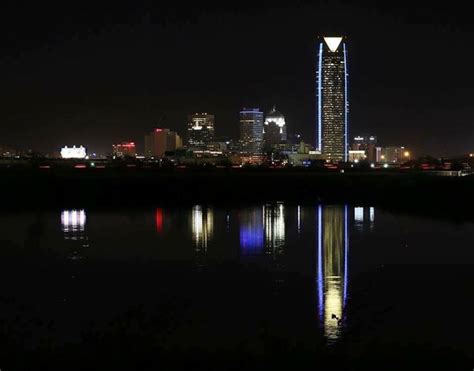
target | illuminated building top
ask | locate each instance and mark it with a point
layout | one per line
(333, 43)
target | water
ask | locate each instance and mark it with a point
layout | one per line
(237, 278)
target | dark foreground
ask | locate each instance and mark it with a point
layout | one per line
(161, 330)
(414, 192)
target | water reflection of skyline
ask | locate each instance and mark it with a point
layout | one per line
(202, 225)
(274, 229)
(251, 231)
(73, 226)
(332, 268)
(363, 216)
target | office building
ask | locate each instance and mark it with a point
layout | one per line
(357, 155)
(394, 154)
(332, 103)
(274, 129)
(161, 140)
(200, 129)
(251, 129)
(124, 149)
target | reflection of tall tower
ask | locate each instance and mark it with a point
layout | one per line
(333, 245)
(251, 231)
(274, 218)
(202, 224)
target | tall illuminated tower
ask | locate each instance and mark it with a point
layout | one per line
(251, 129)
(332, 104)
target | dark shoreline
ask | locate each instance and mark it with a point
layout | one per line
(411, 192)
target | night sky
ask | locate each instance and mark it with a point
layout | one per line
(92, 74)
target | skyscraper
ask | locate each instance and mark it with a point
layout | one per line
(274, 128)
(200, 129)
(251, 129)
(332, 104)
(161, 140)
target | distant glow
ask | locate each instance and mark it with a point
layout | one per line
(159, 220)
(333, 42)
(385, 166)
(372, 165)
(359, 214)
(73, 152)
(406, 154)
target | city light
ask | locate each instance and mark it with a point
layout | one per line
(73, 152)
(333, 43)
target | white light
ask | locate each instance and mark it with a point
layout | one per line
(385, 166)
(73, 220)
(372, 165)
(359, 214)
(372, 214)
(73, 152)
(333, 42)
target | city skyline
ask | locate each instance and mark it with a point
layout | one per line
(88, 78)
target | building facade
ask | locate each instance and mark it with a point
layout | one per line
(124, 149)
(200, 129)
(251, 129)
(332, 103)
(366, 143)
(161, 140)
(274, 129)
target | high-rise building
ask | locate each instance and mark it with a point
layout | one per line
(200, 129)
(251, 129)
(274, 128)
(124, 149)
(395, 154)
(366, 143)
(161, 140)
(332, 103)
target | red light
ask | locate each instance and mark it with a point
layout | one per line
(158, 130)
(159, 220)
(80, 166)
